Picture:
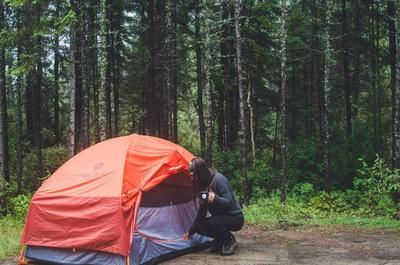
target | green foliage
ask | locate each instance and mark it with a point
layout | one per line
(376, 184)
(369, 203)
(6, 192)
(19, 206)
(321, 209)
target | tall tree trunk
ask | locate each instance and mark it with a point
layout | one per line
(307, 101)
(292, 132)
(166, 98)
(75, 81)
(108, 72)
(4, 153)
(174, 74)
(396, 155)
(86, 84)
(208, 86)
(93, 60)
(29, 45)
(346, 71)
(392, 62)
(283, 129)
(226, 66)
(357, 56)
(316, 82)
(200, 80)
(221, 120)
(374, 67)
(56, 80)
(116, 22)
(327, 95)
(242, 98)
(19, 157)
(151, 119)
(252, 133)
(37, 94)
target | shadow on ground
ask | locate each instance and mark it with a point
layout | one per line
(312, 246)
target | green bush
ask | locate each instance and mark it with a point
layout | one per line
(8, 190)
(19, 206)
(376, 183)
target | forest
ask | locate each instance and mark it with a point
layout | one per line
(297, 102)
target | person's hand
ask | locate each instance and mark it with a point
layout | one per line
(186, 236)
(211, 197)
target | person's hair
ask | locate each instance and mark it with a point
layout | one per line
(202, 174)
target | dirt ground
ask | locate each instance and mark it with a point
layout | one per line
(312, 246)
(316, 245)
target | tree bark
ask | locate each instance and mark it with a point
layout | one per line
(93, 65)
(242, 103)
(37, 93)
(4, 152)
(116, 22)
(151, 98)
(346, 71)
(327, 95)
(174, 74)
(316, 82)
(252, 133)
(200, 80)
(108, 72)
(29, 45)
(75, 81)
(357, 56)
(19, 155)
(392, 61)
(374, 43)
(396, 155)
(56, 81)
(283, 129)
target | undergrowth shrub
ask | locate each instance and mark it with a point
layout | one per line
(370, 197)
(19, 206)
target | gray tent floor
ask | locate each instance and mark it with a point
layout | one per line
(309, 246)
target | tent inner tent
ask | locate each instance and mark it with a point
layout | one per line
(127, 200)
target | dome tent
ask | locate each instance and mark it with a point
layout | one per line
(125, 200)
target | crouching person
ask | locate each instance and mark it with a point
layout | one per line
(216, 197)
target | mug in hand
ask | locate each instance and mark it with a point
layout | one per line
(204, 195)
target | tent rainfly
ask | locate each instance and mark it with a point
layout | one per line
(127, 200)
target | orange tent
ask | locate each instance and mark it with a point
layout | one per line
(92, 200)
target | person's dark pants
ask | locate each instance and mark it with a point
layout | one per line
(219, 227)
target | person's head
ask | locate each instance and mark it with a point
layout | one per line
(202, 174)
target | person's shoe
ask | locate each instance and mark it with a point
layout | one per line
(230, 246)
(217, 248)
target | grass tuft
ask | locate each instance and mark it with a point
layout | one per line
(10, 230)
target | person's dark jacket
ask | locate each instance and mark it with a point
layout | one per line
(224, 202)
